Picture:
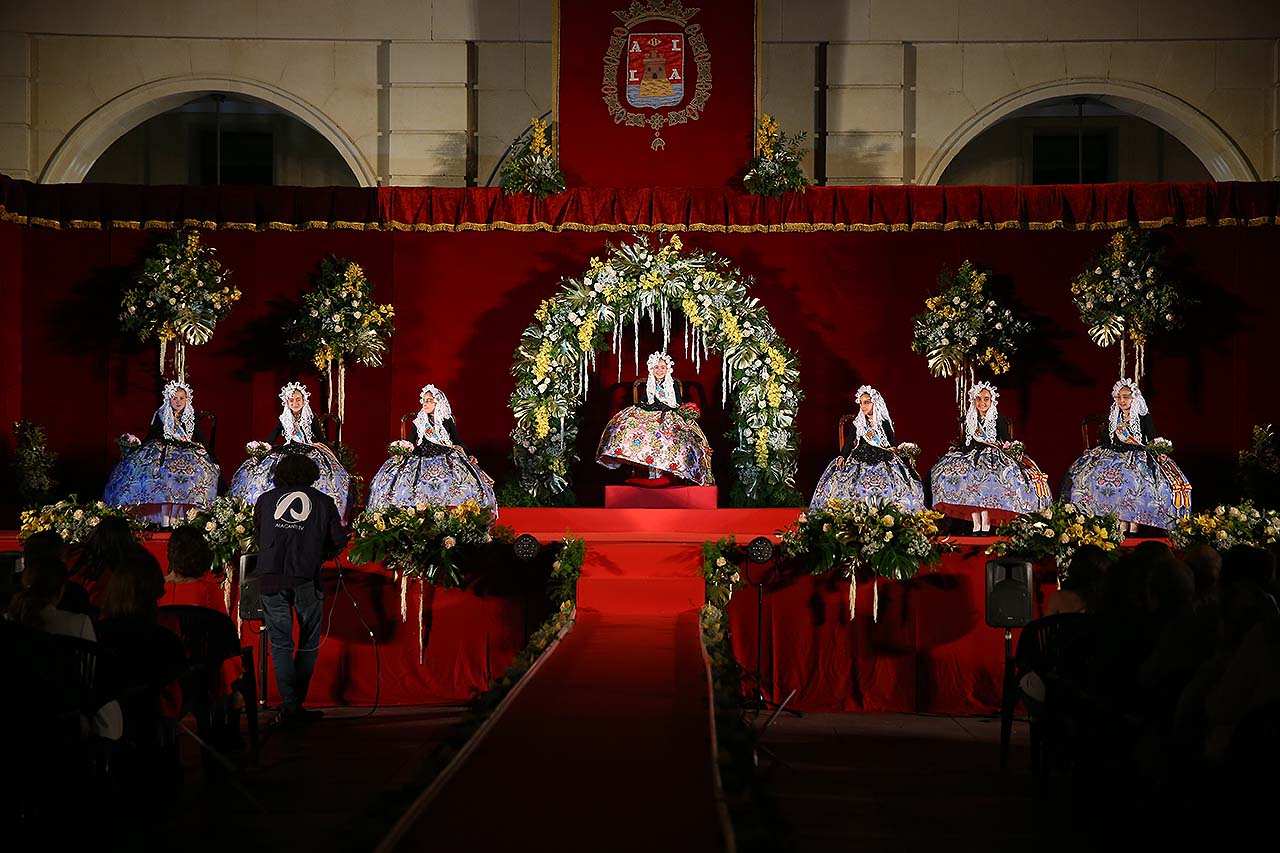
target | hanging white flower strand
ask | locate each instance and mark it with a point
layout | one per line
(422, 631)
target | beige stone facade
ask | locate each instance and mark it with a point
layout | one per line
(432, 92)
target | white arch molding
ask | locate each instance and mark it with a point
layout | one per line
(88, 140)
(1210, 143)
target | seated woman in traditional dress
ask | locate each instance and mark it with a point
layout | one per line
(660, 435)
(439, 471)
(299, 433)
(987, 478)
(172, 470)
(1121, 475)
(868, 468)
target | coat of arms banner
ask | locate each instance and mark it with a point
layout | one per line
(657, 93)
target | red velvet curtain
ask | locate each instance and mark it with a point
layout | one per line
(878, 208)
(844, 299)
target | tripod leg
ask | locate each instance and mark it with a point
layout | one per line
(781, 708)
(262, 666)
(1008, 699)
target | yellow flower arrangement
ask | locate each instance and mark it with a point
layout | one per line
(586, 333)
(729, 326)
(542, 362)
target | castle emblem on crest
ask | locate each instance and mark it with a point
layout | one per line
(646, 62)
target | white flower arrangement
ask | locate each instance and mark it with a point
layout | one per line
(399, 449)
(650, 281)
(257, 449)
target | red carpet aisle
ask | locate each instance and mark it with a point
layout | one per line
(608, 746)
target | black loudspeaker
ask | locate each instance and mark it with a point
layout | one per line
(250, 596)
(1010, 593)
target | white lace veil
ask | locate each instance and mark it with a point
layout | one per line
(183, 429)
(306, 417)
(443, 412)
(971, 416)
(666, 392)
(879, 413)
(1136, 411)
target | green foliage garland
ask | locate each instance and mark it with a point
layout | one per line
(652, 279)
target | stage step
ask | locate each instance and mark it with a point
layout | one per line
(636, 577)
(641, 595)
(668, 497)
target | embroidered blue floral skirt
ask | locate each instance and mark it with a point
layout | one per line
(887, 481)
(1136, 485)
(256, 476)
(164, 479)
(984, 477)
(443, 479)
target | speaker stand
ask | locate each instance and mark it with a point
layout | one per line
(1008, 699)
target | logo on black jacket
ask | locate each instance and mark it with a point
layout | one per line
(289, 504)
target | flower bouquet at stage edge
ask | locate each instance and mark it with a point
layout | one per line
(72, 520)
(1227, 526)
(425, 542)
(1055, 533)
(884, 539)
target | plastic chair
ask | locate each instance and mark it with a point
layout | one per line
(1058, 649)
(209, 638)
(53, 682)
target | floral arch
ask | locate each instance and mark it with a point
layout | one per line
(651, 279)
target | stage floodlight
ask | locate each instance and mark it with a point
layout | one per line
(760, 550)
(526, 546)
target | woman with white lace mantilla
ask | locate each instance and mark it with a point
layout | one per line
(1130, 472)
(299, 432)
(171, 471)
(659, 435)
(988, 478)
(436, 469)
(869, 468)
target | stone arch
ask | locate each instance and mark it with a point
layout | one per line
(1210, 143)
(89, 139)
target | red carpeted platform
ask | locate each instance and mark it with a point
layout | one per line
(646, 560)
(470, 635)
(668, 497)
(929, 651)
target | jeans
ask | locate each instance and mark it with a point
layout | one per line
(293, 671)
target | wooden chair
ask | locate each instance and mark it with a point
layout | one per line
(1088, 425)
(405, 420)
(212, 434)
(846, 423)
(640, 386)
(326, 419)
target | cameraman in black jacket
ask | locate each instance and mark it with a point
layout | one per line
(298, 527)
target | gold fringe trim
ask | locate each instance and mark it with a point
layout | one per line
(613, 227)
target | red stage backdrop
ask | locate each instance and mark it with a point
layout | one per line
(655, 93)
(467, 269)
